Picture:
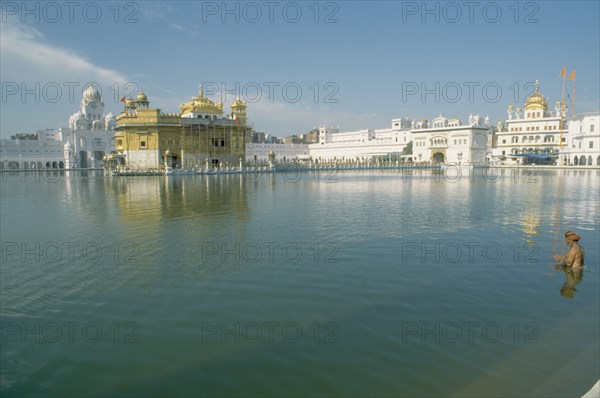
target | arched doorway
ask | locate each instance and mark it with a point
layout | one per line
(438, 157)
(170, 160)
(83, 159)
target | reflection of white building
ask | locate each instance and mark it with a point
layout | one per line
(534, 131)
(83, 144)
(583, 144)
(450, 141)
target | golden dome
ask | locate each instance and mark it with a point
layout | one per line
(130, 103)
(201, 104)
(142, 97)
(536, 101)
(238, 103)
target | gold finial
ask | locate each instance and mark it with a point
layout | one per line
(537, 86)
(200, 90)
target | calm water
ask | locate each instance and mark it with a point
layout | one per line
(363, 283)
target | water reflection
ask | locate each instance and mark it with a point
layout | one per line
(573, 276)
(172, 286)
(159, 199)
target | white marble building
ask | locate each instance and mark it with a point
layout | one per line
(583, 142)
(88, 138)
(450, 141)
(446, 141)
(42, 150)
(343, 147)
(361, 145)
(259, 152)
(90, 132)
(534, 131)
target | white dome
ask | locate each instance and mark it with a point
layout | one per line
(110, 121)
(91, 94)
(77, 116)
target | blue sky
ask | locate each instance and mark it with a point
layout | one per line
(358, 64)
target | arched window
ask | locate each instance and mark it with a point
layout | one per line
(598, 161)
(582, 161)
(590, 160)
(575, 161)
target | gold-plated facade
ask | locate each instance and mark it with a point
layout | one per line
(198, 136)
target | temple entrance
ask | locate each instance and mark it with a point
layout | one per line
(171, 160)
(83, 159)
(438, 157)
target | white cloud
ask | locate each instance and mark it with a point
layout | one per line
(27, 57)
(150, 10)
(180, 28)
(30, 64)
(174, 26)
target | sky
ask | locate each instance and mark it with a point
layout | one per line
(297, 64)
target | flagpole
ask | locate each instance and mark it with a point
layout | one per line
(573, 74)
(562, 104)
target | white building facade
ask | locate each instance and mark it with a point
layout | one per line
(583, 143)
(361, 145)
(450, 141)
(259, 152)
(445, 141)
(91, 132)
(42, 150)
(89, 137)
(532, 133)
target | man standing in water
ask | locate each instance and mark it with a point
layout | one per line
(574, 257)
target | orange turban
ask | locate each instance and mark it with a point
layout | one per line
(572, 236)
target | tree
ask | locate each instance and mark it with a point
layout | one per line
(408, 149)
